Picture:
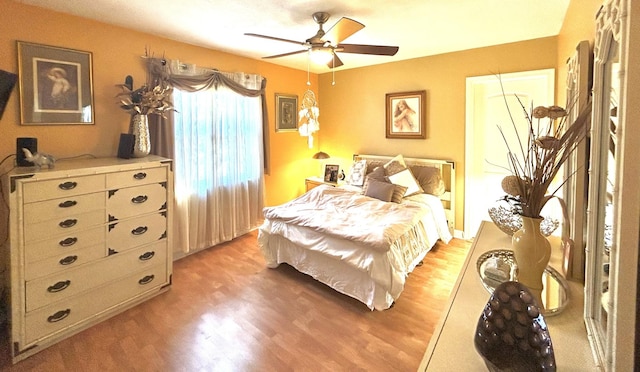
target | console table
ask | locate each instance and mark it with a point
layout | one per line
(451, 347)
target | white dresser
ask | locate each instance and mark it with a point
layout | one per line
(87, 240)
(452, 348)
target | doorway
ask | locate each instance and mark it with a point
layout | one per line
(486, 162)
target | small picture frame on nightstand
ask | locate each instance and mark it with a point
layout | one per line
(331, 173)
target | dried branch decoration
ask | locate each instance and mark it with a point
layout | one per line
(145, 100)
(535, 163)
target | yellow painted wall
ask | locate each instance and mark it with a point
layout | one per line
(353, 110)
(116, 53)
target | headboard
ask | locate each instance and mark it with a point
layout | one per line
(447, 171)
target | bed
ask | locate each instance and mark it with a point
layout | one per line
(356, 240)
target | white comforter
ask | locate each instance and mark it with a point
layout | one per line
(348, 215)
(338, 254)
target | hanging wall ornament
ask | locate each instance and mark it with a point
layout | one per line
(308, 116)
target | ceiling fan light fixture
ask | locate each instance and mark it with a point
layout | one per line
(320, 55)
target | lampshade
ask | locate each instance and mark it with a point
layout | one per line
(321, 155)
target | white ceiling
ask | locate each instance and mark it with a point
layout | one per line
(419, 27)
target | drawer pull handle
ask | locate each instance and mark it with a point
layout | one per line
(59, 316)
(68, 242)
(146, 280)
(70, 185)
(140, 176)
(71, 222)
(139, 199)
(68, 204)
(147, 256)
(139, 230)
(59, 286)
(68, 260)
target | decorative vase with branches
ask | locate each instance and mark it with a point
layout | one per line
(534, 163)
(140, 103)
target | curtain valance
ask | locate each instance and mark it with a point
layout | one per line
(197, 78)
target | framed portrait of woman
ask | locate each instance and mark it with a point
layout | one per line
(56, 85)
(406, 115)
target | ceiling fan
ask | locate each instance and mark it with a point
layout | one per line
(329, 42)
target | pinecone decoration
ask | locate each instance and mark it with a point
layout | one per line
(511, 334)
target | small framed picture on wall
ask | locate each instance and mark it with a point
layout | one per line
(286, 113)
(406, 115)
(331, 173)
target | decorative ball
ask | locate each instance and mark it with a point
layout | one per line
(511, 334)
(510, 185)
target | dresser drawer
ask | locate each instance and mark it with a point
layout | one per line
(57, 287)
(65, 244)
(134, 232)
(63, 207)
(64, 261)
(71, 224)
(62, 187)
(134, 201)
(136, 177)
(84, 308)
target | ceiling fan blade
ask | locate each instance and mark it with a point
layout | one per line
(344, 28)
(335, 62)
(275, 38)
(285, 54)
(380, 50)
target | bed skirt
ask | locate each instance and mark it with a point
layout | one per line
(377, 284)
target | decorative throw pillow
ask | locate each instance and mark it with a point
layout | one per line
(357, 173)
(398, 158)
(373, 164)
(378, 174)
(398, 193)
(395, 165)
(379, 190)
(393, 168)
(406, 178)
(429, 179)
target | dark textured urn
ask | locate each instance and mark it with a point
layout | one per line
(511, 335)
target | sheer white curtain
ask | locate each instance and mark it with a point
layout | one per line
(218, 164)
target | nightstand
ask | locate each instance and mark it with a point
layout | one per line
(311, 182)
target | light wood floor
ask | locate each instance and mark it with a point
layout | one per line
(227, 312)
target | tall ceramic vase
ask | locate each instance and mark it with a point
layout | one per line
(531, 251)
(140, 130)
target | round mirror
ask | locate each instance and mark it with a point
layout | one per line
(498, 266)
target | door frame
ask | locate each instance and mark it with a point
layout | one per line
(472, 83)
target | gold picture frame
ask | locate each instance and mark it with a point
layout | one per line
(56, 85)
(286, 113)
(406, 115)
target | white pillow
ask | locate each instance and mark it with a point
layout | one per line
(357, 173)
(406, 178)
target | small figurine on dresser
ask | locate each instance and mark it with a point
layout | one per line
(511, 334)
(39, 159)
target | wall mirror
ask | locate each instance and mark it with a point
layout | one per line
(601, 249)
(579, 84)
